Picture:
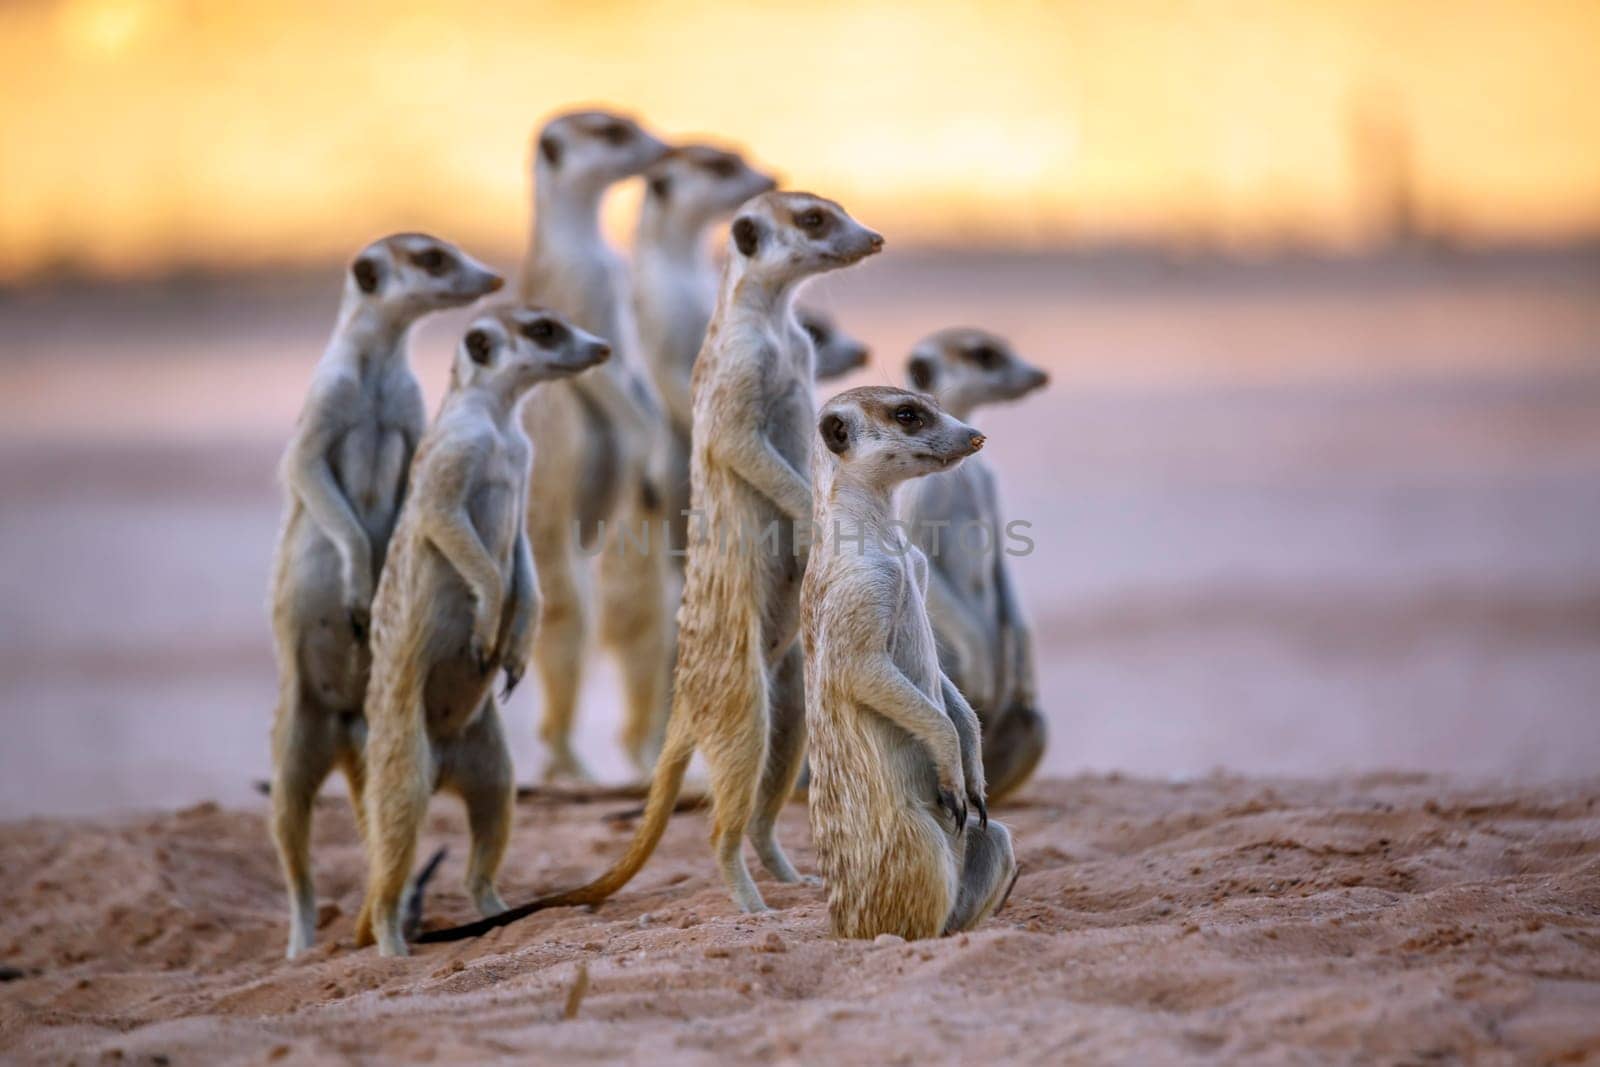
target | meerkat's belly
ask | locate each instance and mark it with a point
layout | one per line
(332, 664)
(370, 464)
(599, 472)
(456, 687)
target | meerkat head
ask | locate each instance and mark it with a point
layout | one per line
(696, 184)
(881, 436)
(413, 273)
(966, 368)
(837, 352)
(515, 347)
(592, 149)
(781, 237)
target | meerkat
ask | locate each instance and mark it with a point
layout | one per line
(985, 643)
(837, 352)
(896, 760)
(675, 289)
(456, 602)
(737, 691)
(598, 446)
(344, 478)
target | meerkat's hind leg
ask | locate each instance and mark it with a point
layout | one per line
(734, 758)
(306, 744)
(1012, 750)
(634, 624)
(988, 870)
(786, 747)
(559, 649)
(478, 768)
(396, 803)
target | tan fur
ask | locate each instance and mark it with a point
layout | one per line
(344, 475)
(675, 290)
(895, 749)
(599, 447)
(456, 602)
(985, 642)
(737, 688)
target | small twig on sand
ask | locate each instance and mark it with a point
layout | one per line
(580, 986)
(582, 793)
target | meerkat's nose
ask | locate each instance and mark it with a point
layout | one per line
(496, 283)
(602, 351)
(976, 439)
(875, 240)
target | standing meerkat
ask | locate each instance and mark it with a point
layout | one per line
(895, 755)
(456, 602)
(344, 477)
(598, 444)
(675, 289)
(837, 352)
(984, 640)
(737, 692)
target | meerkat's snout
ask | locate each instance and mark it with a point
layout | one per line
(975, 442)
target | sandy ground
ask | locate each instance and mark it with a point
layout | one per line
(1385, 919)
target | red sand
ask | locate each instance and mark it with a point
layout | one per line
(1388, 919)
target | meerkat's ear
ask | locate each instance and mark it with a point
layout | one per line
(922, 370)
(365, 271)
(660, 186)
(480, 346)
(746, 235)
(550, 149)
(836, 432)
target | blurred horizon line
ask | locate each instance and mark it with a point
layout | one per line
(1130, 257)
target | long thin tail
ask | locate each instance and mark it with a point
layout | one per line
(664, 787)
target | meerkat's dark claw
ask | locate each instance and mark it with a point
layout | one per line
(958, 810)
(513, 676)
(982, 807)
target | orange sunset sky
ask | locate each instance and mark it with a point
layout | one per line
(142, 135)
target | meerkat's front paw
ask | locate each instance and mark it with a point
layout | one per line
(515, 667)
(951, 802)
(360, 622)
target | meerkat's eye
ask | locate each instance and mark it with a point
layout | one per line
(542, 331)
(810, 221)
(908, 416)
(986, 356)
(818, 335)
(722, 167)
(615, 133)
(433, 261)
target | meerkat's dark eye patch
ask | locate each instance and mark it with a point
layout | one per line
(985, 355)
(813, 221)
(365, 272)
(910, 417)
(615, 134)
(434, 261)
(479, 346)
(544, 332)
(723, 167)
(816, 331)
(550, 149)
(746, 235)
(660, 186)
(835, 430)
(922, 373)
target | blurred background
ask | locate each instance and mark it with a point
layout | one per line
(1315, 488)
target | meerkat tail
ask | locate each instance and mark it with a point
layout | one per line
(664, 788)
